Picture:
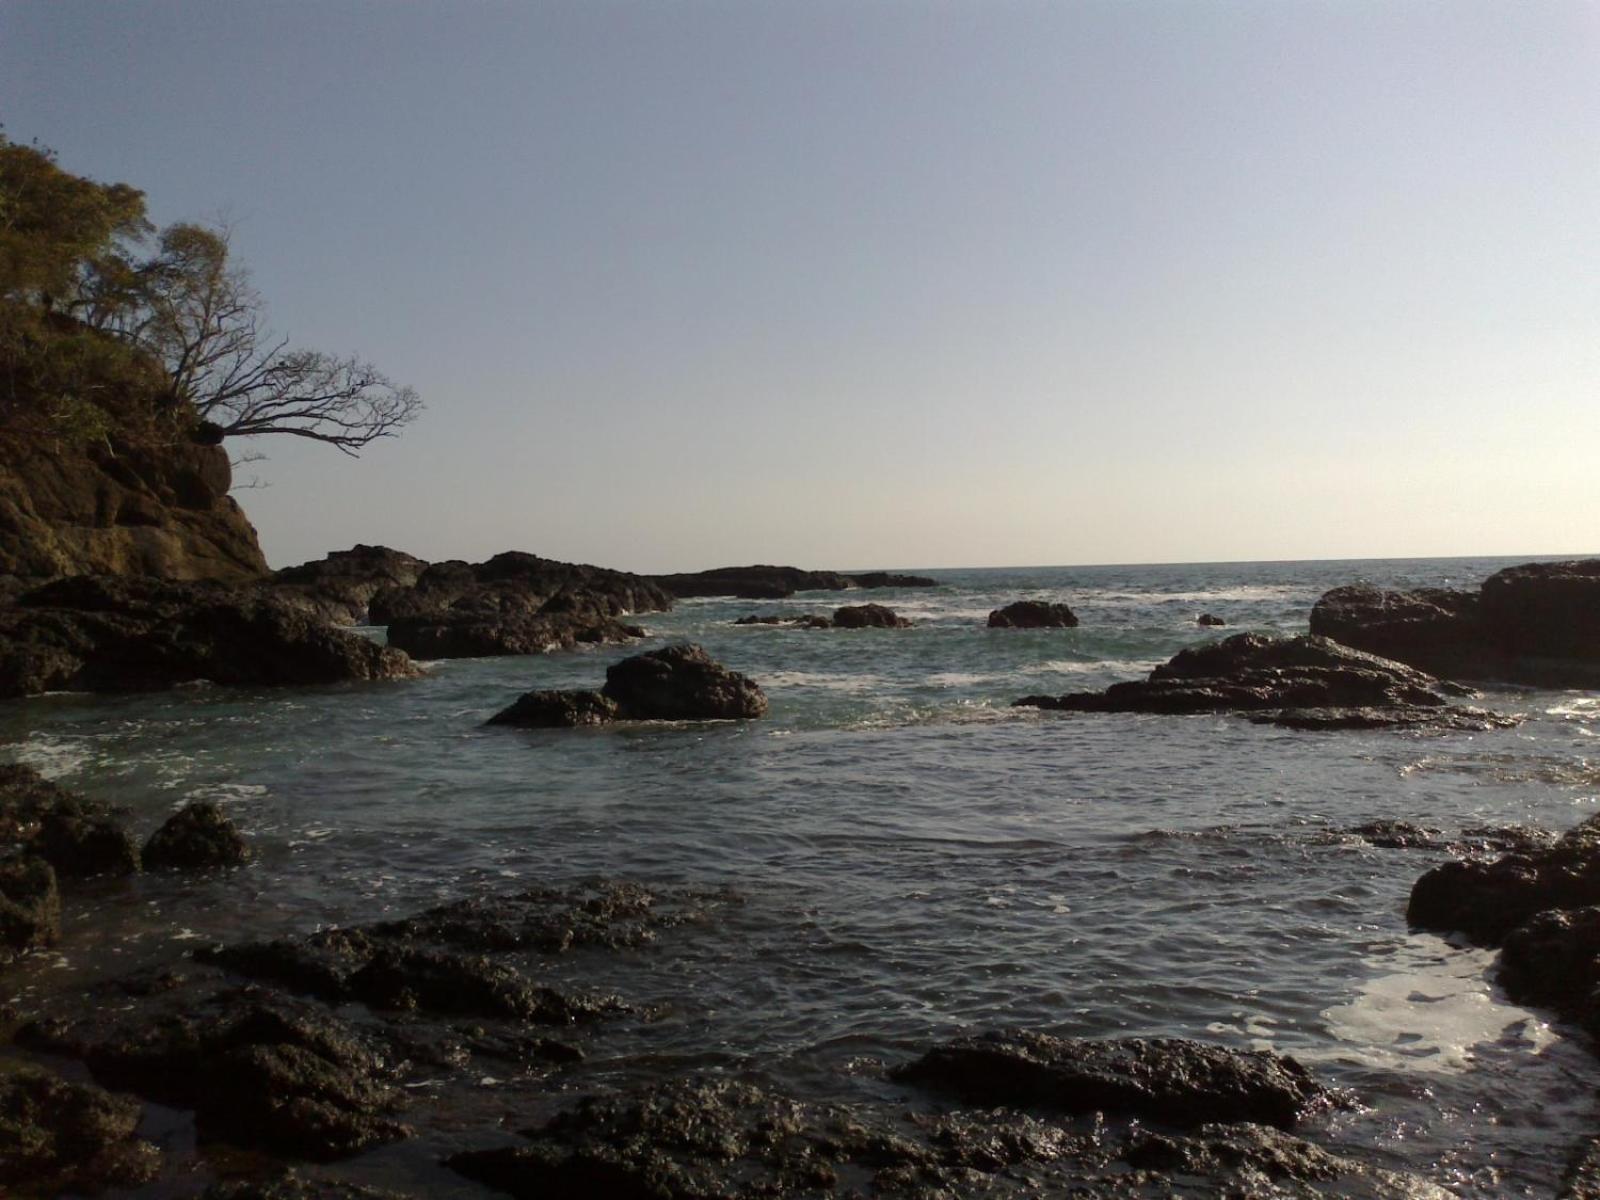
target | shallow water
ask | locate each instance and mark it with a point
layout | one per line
(915, 856)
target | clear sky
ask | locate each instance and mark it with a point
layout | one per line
(854, 284)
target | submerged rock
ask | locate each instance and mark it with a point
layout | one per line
(105, 634)
(1033, 614)
(58, 1138)
(1536, 624)
(1209, 619)
(797, 620)
(30, 906)
(194, 838)
(1168, 1080)
(675, 683)
(1301, 682)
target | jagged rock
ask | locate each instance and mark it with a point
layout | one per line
(1487, 900)
(126, 504)
(1209, 619)
(1535, 624)
(78, 846)
(1301, 682)
(30, 906)
(58, 1137)
(194, 838)
(681, 683)
(1033, 614)
(339, 587)
(775, 583)
(868, 616)
(259, 1069)
(99, 633)
(558, 710)
(1163, 1079)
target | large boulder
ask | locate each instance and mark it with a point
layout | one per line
(1169, 1080)
(107, 634)
(59, 1138)
(868, 616)
(1535, 624)
(30, 906)
(76, 836)
(1033, 614)
(678, 683)
(675, 683)
(195, 838)
(1303, 682)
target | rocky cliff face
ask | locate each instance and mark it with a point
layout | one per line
(121, 507)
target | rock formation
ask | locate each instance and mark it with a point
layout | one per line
(676, 683)
(1033, 614)
(341, 585)
(776, 583)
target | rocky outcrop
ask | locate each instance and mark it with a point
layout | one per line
(195, 838)
(77, 837)
(776, 583)
(705, 1136)
(121, 505)
(868, 616)
(1303, 682)
(1169, 1080)
(59, 1138)
(1033, 614)
(1210, 620)
(676, 683)
(106, 634)
(513, 604)
(1536, 624)
(339, 587)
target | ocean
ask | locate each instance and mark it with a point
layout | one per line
(912, 857)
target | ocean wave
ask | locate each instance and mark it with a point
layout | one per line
(51, 755)
(825, 680)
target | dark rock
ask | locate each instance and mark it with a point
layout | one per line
(868, 616)
(1536, 624)
(678, 683)
(1208, 619)
(1397, 835)
(1487, 900)
(1164, 1079)
(293, 1185)
(1301, 682)
(99, 633)
(58, 1138)
(259, 1069)
(473, 634)
(798, 621)
(198, 836)
(30, 906)
(1033, 614)
(26, 798)
(558, 710)
(340, 586)
(775, 583)
(1553, 960)
(78, 846)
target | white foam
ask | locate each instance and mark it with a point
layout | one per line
(827, 681)
(1578, 708)
(53, 756)
(1430, 1014)
(226, 793)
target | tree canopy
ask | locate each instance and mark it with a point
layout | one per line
(85, 306)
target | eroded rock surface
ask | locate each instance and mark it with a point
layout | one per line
(1303, 682)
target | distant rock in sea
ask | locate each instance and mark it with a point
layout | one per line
(1208, 619)
(1033, 614)
(1536, 624)
(676, 683)
(1304, 682)
(777, 583)
(849, 616)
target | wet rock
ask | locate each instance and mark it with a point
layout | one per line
(776, 583)
(679, 683)
(797, 620)
(30, 906)
(197, 837)
(558, 710)
(26, 797)
(1397, 835)
(868, 616)
(1033, 614)
(1164, 1079)
(107, 634)
(295, 1185)
(1582, 1178)
(474, 634)
(78, 846)
(1487, 900)
(1537, 624)
(1553, 960)
(259, 1069)
(1209, 620)
(1304, 682)
(58, 1137)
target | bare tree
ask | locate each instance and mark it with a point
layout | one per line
(201, 317)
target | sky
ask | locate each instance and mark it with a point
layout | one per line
(884, 283)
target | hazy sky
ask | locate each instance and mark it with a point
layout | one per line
(891, 284)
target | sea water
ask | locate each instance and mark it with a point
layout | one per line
(915, 857)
